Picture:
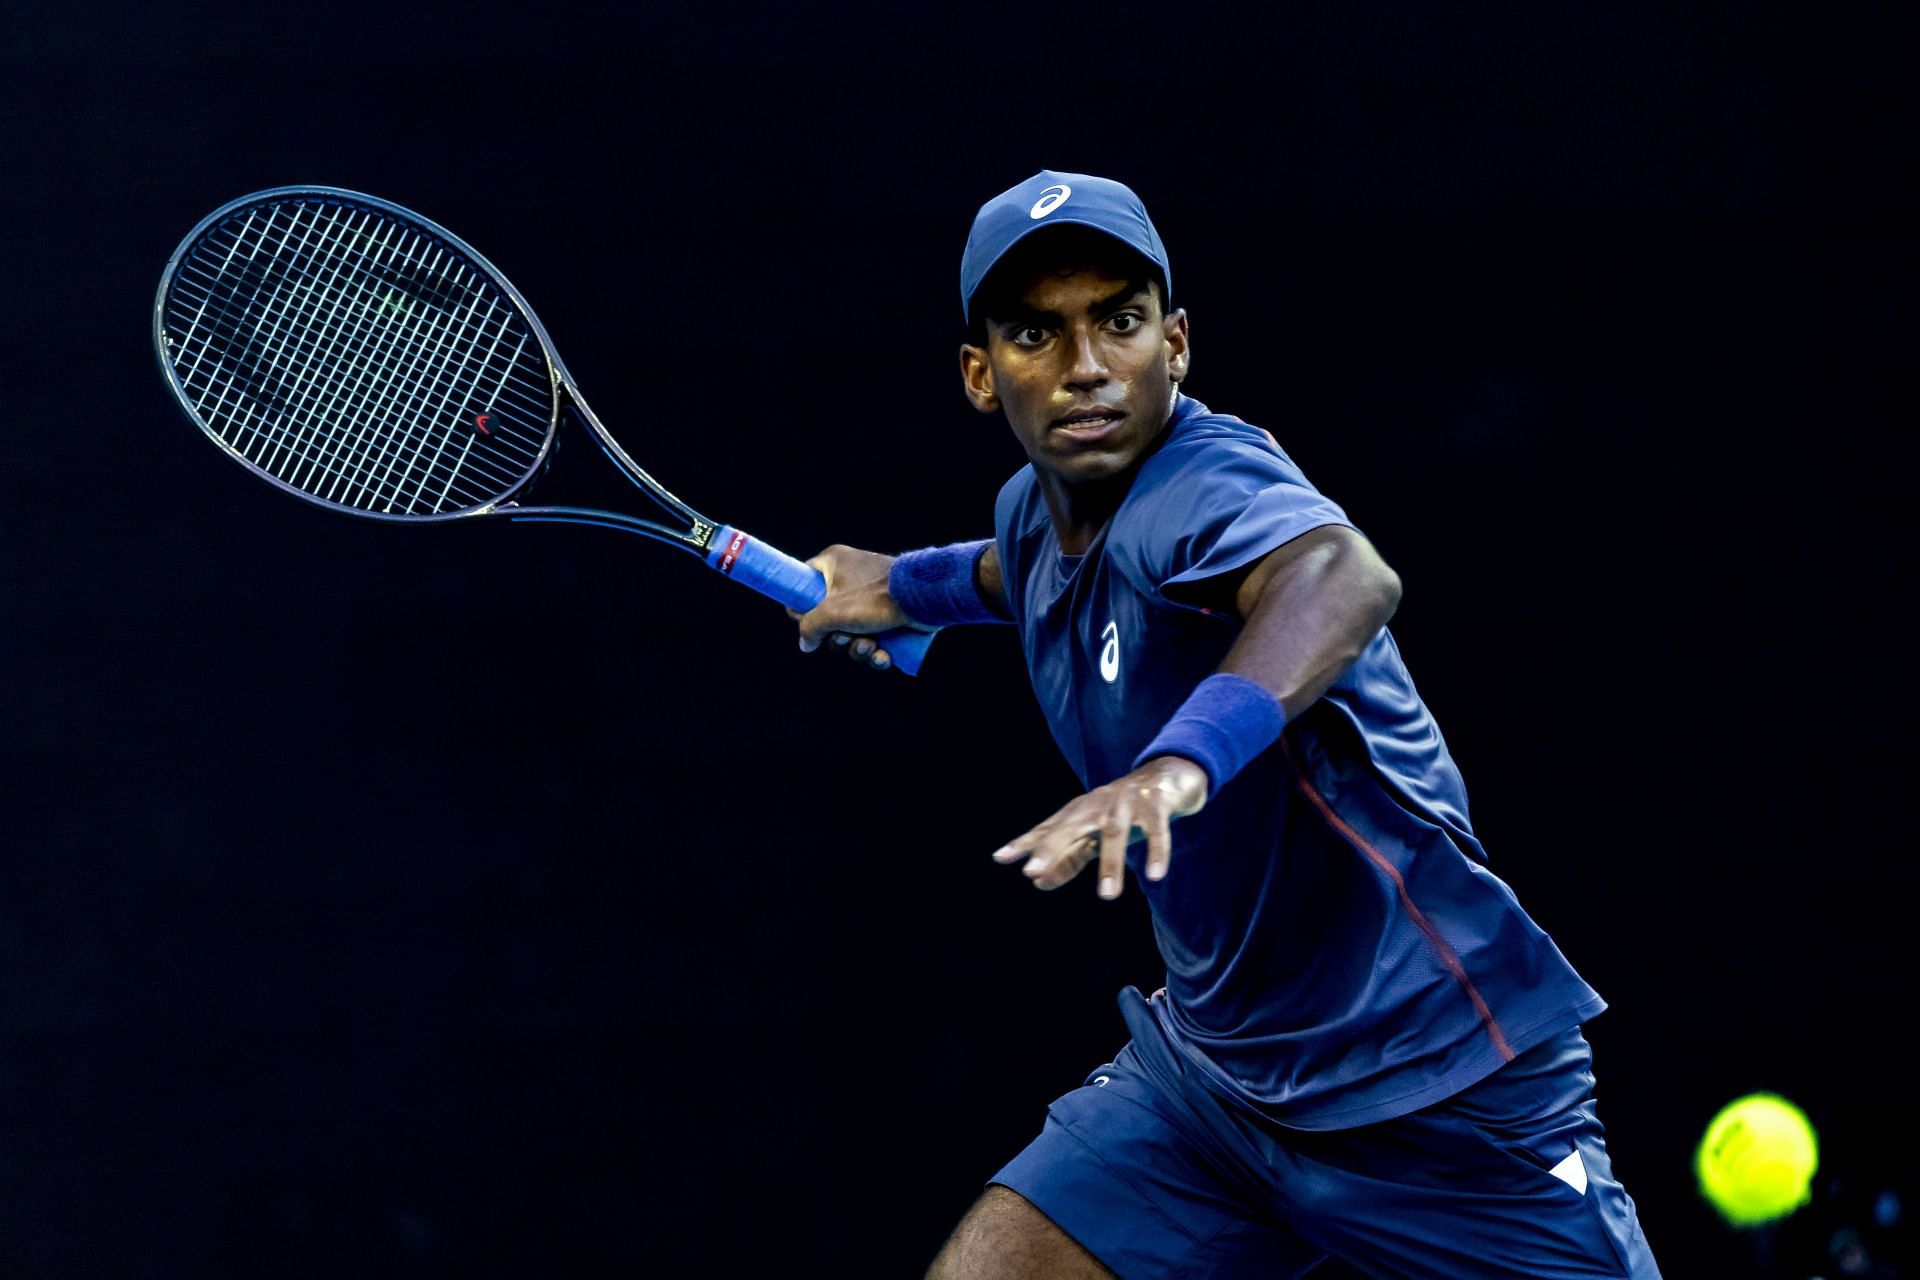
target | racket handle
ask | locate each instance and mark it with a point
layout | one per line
(777, 575)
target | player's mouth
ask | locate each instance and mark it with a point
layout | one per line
(1096, 422)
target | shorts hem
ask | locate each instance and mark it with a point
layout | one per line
(1038, 1183)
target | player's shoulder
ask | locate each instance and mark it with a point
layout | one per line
(1216, 482)
(1204, 447)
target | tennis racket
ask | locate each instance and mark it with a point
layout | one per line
(366, 359)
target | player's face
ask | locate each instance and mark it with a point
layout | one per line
(1084, 367)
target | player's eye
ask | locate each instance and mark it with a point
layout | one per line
(1029, 335)
(1126, 322)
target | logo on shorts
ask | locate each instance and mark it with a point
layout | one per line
(1050, 199)
(1110, 653)
(1572, 1171)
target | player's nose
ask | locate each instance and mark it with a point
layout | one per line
(1085, 365)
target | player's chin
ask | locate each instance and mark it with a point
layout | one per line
(1084, 466)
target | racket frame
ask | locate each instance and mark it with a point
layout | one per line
(697, 537)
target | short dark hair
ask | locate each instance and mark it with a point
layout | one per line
(1063, 249)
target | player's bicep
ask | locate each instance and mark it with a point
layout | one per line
(1316, 548)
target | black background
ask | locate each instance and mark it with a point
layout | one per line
(489, 901)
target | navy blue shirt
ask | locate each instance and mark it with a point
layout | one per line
(1337, 951)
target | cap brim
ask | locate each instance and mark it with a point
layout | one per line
(1063, 221)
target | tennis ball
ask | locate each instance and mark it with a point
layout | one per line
(1757, 1159)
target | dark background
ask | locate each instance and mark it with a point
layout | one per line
(488, 901)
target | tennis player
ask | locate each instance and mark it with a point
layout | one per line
(1365, 1049)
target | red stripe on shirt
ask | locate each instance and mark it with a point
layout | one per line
(1445, 952)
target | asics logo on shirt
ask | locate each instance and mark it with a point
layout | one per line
(1110, 653)
(1050, 199)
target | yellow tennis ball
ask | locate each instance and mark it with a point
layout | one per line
(1757, 1159)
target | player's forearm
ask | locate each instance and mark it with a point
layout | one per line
(990, 582)
(1311, 608)
(1312, 616)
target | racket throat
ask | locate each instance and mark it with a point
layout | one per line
(701, 531)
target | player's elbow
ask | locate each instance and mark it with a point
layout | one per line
(1372, 587)
(1386, 589)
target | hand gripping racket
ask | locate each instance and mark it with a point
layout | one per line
(361, 357)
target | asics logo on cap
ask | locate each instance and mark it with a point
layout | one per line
(1050, 199)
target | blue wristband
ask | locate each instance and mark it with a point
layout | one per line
(935, 587)
(1224, 723)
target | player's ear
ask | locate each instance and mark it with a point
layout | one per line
(976, 376)
(1179, 353)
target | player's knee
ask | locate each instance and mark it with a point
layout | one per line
(1003, 1237)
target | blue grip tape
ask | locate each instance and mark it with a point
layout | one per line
(766, 569)
(777, 575)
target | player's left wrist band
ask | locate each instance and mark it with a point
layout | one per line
(1225, 722)
(936, 587)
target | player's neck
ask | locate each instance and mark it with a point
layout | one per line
(1080, 510)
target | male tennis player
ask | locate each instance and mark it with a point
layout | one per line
(1364, 1049)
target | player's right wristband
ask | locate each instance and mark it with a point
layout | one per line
(1225, 722)
(936, 587)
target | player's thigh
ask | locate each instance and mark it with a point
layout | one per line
(1143, 1181)
(1003, 1237)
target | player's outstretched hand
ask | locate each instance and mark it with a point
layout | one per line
(1101, 823)
(857, 606)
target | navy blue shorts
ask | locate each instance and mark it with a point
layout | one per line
(1158, 1177)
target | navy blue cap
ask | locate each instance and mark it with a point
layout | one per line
(1050, 199)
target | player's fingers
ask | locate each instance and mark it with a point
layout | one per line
(1113, 850)
(813, 625)
(1042, 848)
(1062, 856)
(881, 660)
(862, 649)
(817, 626)
(837, 619)
(829, 616)
(1018, 847)
(813, 635)
(1154, 825)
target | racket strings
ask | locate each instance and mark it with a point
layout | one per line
(295, 453)
(267, 340)
(363, 455)
(355, 459)
(351, 356)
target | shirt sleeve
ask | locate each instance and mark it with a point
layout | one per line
(1220, 507)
